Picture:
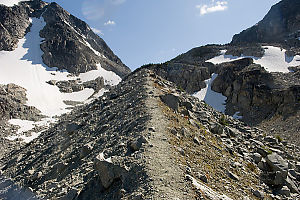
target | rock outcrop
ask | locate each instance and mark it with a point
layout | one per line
(189, 70)
(281, 25)
(14, 22)
(71, 44)
(256, 93)
(75, 85)
(13, 104)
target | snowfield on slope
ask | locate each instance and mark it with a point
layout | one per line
(212, 98)
(274, 59)
(25, 125)
(24, 67)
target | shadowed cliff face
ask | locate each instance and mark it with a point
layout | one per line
(280, 25)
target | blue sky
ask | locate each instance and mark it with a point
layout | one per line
(154, 31)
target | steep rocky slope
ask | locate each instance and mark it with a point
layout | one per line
(146, 139)
(50, 62)
(250, 89)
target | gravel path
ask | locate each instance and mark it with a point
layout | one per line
(167, 177)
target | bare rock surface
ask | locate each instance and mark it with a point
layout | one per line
(13, 104)
(134, 144)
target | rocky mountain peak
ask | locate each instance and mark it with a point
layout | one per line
(69, 43)
(281, 25)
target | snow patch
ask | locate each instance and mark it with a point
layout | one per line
(26, 126)
(237, 115)
(11, 2)
(225, 58)
(110, 77)
(274, 59)
(24, 67)
(212, 98)
(26, 139)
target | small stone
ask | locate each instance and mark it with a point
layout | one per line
(86, 149)
(279, 178)
(196, 140)
(233, 176)
(203, 178)
(258, 194)
(152, 129)
(285, 191)
(262, 152)
(291, 185)
(297, 165)
(31, 171)
(171, 100)
(262, 164)
(277, 163)
(188, 170)
(137, 144)
(216, 128)
(181, 151)
(108, 171)
(256, 157)
(72, 127)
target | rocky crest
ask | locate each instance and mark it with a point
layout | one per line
(189, 70)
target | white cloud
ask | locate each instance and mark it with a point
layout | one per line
(117, 2)
(97, 9)
(109, 22)
(213, 7)
(92, 10)
(97, 31)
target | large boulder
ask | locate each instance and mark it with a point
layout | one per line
(171, 100)
(108, 171)
(277, 163)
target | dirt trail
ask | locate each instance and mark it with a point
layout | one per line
(168, 180)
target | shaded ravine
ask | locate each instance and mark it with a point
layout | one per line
(11, 191)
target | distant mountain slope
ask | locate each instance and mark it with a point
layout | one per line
(280, 25)
(69, 43)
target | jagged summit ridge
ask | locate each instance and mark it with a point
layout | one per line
(69, 43)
